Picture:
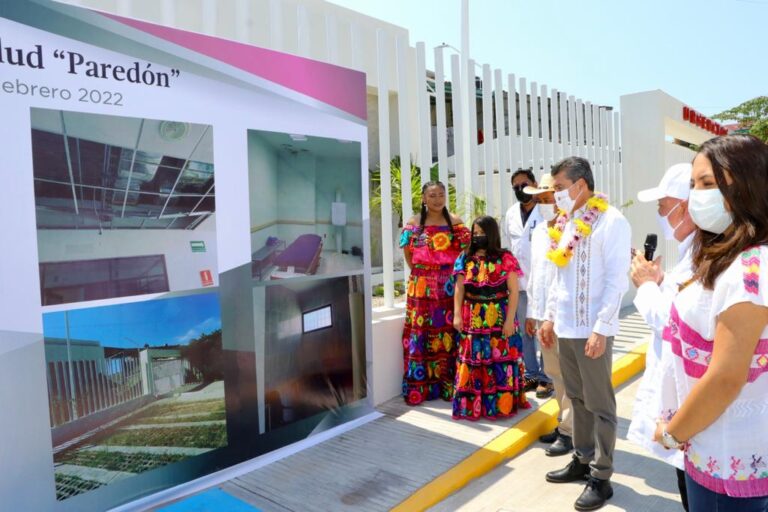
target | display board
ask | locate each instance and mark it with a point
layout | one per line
(186, 261)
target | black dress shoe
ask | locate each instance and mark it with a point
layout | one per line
(561, 446)
(551, 437)
(573, 472)
(595, 494)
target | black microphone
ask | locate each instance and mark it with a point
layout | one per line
(651, 241)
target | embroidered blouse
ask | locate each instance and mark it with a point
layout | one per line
(731, 455)
(434, 246)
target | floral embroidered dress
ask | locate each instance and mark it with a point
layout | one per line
(489, 367)
(428, 337)
(731, 455)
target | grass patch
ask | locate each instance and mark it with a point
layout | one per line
(205, 436)
(68, 486)
(159, 420)
(171, 409)
(118, 461)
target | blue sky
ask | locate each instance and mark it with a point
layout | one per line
(707, 53)
(157, 322)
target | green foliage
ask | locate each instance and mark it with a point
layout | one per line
(205, 354)
(752, 114)
(478, 204)
(378, 290)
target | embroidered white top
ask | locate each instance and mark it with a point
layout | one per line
(586, 294)
(517, 238)
(731, 455)
(653, 302)
(542, 273)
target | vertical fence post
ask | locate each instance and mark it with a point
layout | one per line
(580, 149)
(425, 119)
(525, 141)
(502, 141)
(535, 141)
(276, 25)
(385, 171)
(471, 95)
(463, 176)
(514, 139)
(617, 166)
(492, 204)
(404, 128)
(442, 142)
(546, 145)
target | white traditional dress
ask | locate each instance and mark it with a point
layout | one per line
(731, 455)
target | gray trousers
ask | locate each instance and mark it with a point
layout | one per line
(588, 385)
(552, 364)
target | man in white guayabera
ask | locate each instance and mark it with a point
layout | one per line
(590, 244)
(655, 292)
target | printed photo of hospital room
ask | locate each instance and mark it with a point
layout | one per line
(306, 205)
(124, 206)
(314, 349)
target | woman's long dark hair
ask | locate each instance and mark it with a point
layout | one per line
(745, 159)
(446, 213)
(491, 228)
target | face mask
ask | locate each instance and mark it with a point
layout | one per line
(548, 211)
(480, 241)
(707, 209)
(563, 200)
(666, 227)
(522, 196)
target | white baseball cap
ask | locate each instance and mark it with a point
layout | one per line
(676, 183)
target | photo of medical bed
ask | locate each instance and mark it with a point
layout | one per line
(301, 257)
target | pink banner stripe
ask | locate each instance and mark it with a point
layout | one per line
(340, 87)
(736, 488)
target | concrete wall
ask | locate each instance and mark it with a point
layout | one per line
(649, 121)
(262, 186)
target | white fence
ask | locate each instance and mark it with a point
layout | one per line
(540, 124)
(524, 126)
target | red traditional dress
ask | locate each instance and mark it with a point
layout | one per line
(489, 375)
(428, 337)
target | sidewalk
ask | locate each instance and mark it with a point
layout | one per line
(398, 457)
(640, 483)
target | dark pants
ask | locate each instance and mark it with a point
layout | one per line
(588, 385)
(681, 487)
(701, 499)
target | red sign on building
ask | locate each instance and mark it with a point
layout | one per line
(206, 278)
(703, 122)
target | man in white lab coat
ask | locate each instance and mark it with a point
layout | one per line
(519, 222)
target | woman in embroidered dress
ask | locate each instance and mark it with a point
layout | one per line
(489, 367)
(431, 242)
(717, 336)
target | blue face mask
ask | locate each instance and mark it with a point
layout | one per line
(707, 209)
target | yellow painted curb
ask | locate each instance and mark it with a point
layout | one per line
(510, 443)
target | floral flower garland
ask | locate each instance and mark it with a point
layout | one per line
(560, 256)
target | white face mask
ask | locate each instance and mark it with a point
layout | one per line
(707, 209)
(563, 200)
(666, 227)
(548, 211)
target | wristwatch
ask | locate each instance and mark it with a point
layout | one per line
(668, 440)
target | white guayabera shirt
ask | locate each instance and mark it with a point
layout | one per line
(586, 294)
